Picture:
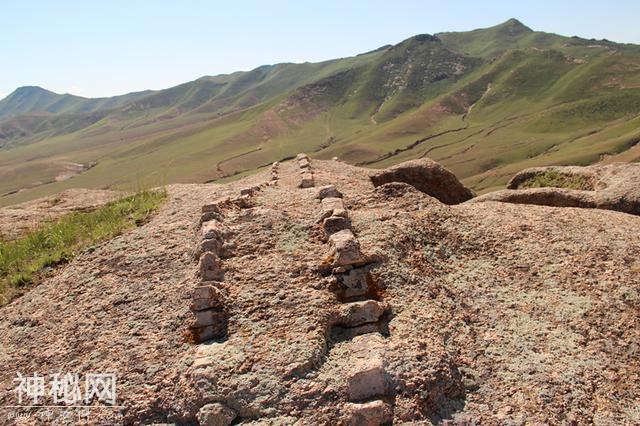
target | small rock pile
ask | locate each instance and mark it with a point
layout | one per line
(304, 162)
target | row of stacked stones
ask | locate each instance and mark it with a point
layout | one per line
(211, 317)
(304, 162)
(275, 171)
(359, 315)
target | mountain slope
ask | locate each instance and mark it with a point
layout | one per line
(488, 42)
(485, 103)
(33, 99)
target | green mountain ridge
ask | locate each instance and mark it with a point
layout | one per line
(485, 103)
(34, 99)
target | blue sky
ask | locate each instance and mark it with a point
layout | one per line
(105, 48)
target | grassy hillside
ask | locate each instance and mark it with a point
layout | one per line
(22, 260)
(485, 103)
(32, 99)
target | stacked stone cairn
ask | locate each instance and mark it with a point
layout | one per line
(306, 179)
(275, 172)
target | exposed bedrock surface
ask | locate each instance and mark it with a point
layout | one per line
(611, 187)
(426, 176)
(478, 313)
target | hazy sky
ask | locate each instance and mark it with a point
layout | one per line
(103, 48)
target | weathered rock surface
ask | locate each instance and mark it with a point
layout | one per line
(333, 207)
(358, 313)
(206, 297)
(215, 329)
(306, 181)
(499, 313)
(427, 176)
(346, 249)
(355, 283)
(334, 224)
(304, 163)
(214, 230)
(209, 317)
(373, 413)
(215, 206)
(367, 379)
(328, 191)
(216, 415)
(213, 245)
(210, 267)
(556, 197)
(614, 187)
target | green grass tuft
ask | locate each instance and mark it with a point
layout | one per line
(21, 260)
(555, 179)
